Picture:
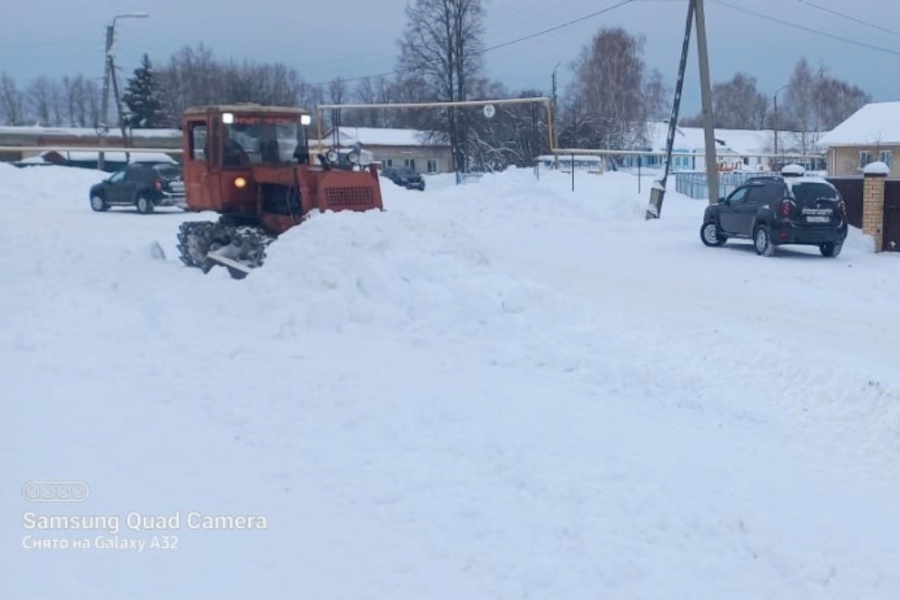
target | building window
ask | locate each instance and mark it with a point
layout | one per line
(388, 162)
(410, 163)
(887, 157)
(431, 166)
(864, 158)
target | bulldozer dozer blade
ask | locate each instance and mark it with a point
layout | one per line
(219, 258)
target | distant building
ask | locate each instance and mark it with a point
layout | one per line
(736, 149)
(396, 147)
(870, 134)
(113, 161)
(35, 141)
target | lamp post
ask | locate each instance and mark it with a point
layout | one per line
(110, 73)
(775, 114)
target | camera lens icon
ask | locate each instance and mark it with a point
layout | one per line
(56, 491)
(33, 491)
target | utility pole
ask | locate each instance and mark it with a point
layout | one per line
(109, 75)
(777, 118)
(658, 192)
(712, 174)
(103, 127)
(119, 110)
(553, 115)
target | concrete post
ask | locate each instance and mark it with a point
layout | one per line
(874, 175)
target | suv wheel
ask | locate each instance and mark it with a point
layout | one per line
(144, 204)
(710, 235)
(762, 241)
(98, 203)
(830, 249)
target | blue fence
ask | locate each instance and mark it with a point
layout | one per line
(694, 184)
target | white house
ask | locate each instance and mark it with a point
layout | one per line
(737, 149)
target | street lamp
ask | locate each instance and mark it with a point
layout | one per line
(775, 111)
(109, 67)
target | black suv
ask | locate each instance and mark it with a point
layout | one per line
(405, 177)
(776, 210)
(143, 185)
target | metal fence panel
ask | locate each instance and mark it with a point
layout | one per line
(694, 185)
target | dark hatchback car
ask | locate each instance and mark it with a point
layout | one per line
(405, 177)
(142, 185)
(777, 210)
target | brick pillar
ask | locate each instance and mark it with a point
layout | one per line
(873, 202)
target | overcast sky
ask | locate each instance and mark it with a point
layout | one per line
(353, 38)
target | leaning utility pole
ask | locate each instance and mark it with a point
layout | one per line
(658, 192)
(712, 173)
(119, 109)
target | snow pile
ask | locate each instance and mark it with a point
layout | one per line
(504, 389)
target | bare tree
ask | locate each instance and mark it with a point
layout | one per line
(77, 96)
(656, 96)
(515, 135)
(737, 104)
(12, 101)
(38, 95)
(606, 100)
(367, 94)
(801, 106)
(440, 51)
(835, 100)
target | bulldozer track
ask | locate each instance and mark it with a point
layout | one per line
(202, 243)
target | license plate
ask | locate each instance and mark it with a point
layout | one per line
(817, 219)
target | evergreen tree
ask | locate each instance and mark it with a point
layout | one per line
(142, 97)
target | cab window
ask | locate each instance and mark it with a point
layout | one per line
(198, 140)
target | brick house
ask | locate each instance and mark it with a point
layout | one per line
(871, 134)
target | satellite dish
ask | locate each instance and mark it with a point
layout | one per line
(489, 110)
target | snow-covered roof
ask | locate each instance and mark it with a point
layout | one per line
(746, 142)
(382, 136)
(85, 132)
(875, 123)
(114, 156)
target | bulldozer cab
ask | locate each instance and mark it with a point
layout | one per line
(222, 139)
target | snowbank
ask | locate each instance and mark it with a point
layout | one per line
(496, 390)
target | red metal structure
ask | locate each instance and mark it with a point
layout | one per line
(252, 164)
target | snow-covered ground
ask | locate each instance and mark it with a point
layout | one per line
(490, 391)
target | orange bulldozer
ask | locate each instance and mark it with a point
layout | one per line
(251, 164)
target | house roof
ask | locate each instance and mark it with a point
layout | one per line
(118, 156)
(382, 136)
(85, 132)
(747, 142)
(874, 123)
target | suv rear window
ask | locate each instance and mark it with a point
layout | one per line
(810, 191)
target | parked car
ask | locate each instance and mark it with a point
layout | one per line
(142, 185)
(775, 210)
(405, 177)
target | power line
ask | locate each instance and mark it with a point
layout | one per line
(806, 28)
(504, 44)
(557, 27)
(850, 18)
